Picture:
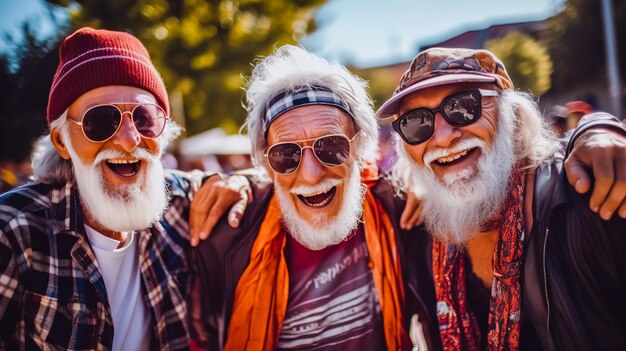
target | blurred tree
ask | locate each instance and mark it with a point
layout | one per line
(25, 78)
(381, 83)
(527, 61)
(576, 42)
(202, 47)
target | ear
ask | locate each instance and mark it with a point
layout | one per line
(57, 140)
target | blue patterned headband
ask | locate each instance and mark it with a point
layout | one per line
(288, 100)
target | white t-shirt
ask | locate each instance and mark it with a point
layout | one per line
(122, 278)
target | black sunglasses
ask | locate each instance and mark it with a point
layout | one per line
(459, 109)
(331, 150)
(99, 123)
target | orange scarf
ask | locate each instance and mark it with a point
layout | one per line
(263, 290)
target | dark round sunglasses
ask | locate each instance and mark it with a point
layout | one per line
(331, 150)
(459, 109)
(99, 123)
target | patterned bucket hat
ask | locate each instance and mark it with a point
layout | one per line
(439, 66)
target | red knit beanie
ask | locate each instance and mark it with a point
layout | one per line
(92, 58)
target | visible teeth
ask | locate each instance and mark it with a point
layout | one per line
(313, 194)
(320, 204)
(452, 157)
(118, 162)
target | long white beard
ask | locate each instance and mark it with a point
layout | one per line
(121, 208)
(456, 209)
(324, 231)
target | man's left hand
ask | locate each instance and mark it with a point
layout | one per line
(604, 151)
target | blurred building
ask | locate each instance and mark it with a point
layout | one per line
(476, 39)
(214, 150)
(592, 92)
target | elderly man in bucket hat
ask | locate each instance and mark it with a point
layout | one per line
(93, 254)
(519, 258)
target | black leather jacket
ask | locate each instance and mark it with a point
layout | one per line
(574, 268)
(220, 261)
(579, 256)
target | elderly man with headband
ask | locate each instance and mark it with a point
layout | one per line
(315, 261)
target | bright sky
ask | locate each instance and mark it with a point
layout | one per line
(373, 32)
(360, 32)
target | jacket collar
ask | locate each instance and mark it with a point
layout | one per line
(550, 190)
(66, 211)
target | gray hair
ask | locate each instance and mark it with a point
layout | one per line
(49, 167)
(290, 68)
(534, 142)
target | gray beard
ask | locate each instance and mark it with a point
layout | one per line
(455, 210)
(325, 231)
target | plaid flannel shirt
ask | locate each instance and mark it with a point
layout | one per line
(52, 294)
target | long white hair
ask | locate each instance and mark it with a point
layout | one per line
(290, 68)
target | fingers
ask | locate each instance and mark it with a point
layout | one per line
(622, 209)
(604, 176)
(604, 151)
(214, 214)
(616, 197)
(236, 212)
(411, 213)
(577, 175)
(416, 217)
(202, 202)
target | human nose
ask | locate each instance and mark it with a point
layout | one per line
(444, 134)
(127, 137)
(311, 169)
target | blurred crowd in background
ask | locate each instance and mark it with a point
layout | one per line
(204, 49)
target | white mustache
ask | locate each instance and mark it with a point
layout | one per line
(138, 153)
(464, 144)
(318, 188)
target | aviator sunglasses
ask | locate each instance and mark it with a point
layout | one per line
(331, 150)
(99, 123)
(459, 109)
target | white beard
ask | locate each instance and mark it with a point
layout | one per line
(456, 209)
(324, 231)
(121, 208)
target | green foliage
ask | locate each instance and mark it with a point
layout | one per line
(527, 61)
(575, 39)
(203, 48)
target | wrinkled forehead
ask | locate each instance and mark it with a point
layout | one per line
(308, 122)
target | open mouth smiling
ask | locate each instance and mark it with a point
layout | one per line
(453, 159)
(320, 199)
(124, 168)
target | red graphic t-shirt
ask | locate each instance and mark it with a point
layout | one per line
(333, 304)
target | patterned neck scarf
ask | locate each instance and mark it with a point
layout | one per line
(458, 327)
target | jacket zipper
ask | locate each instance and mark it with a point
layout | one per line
(427, 319)
(545, 285)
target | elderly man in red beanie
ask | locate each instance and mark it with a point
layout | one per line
(519, 258)
(93, 255)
